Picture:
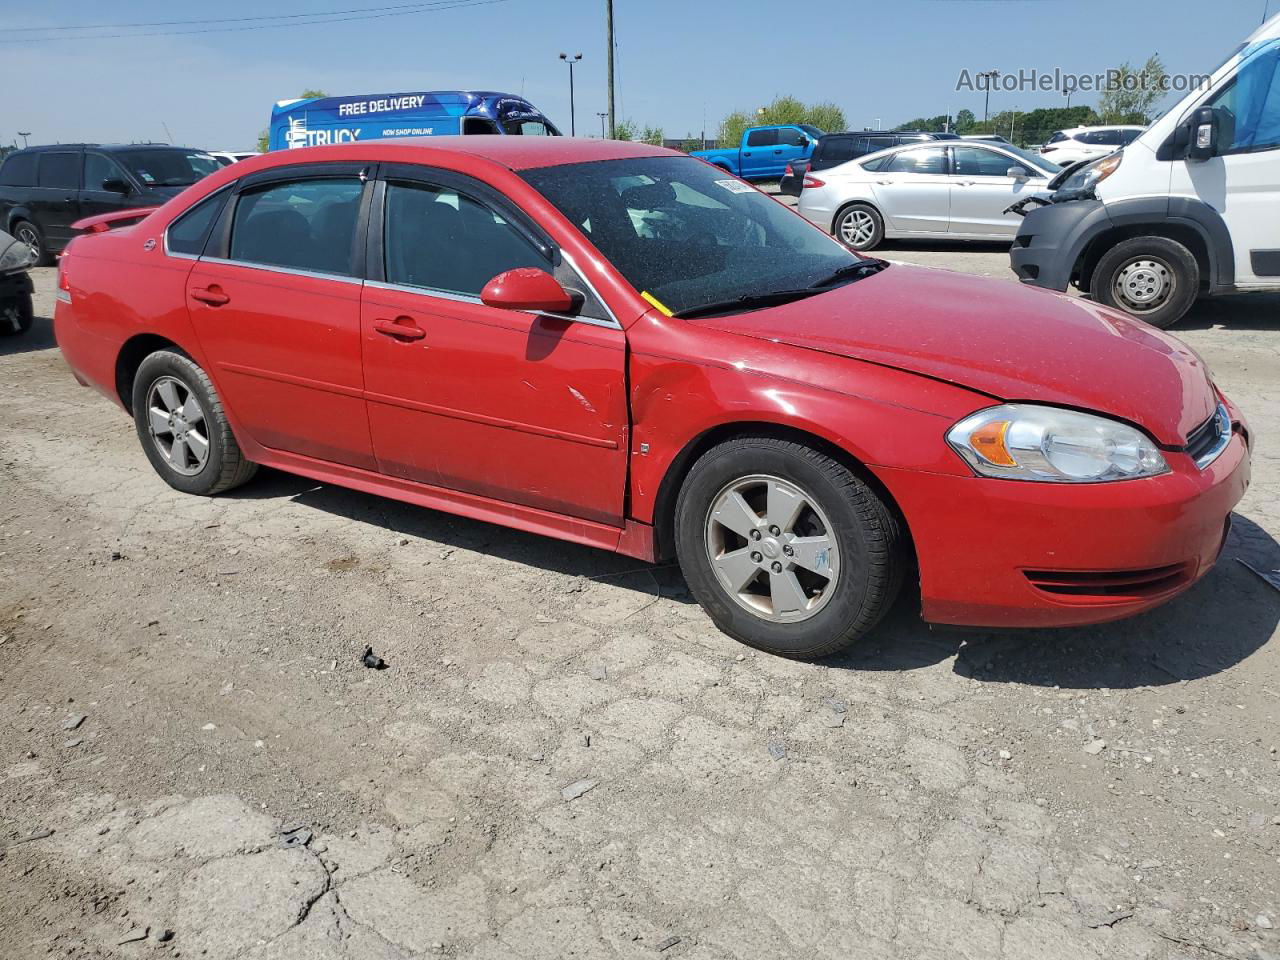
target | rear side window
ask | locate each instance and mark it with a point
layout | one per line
(762, 138)
(189, 232)
(60, 170)
(439, 239)
(19, 170)
(303, 225)
(931, 160)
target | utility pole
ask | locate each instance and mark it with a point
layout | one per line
(989, 76)
(613, 118)
(24, 138)
(603, 115)
(573, 126)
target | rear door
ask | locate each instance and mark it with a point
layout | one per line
(981, 189)
(55, 202)
(275, 301)
(510, 405)
(758, 153)
(913, 191)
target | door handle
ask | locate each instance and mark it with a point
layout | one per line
(401, 328)
(211, 295)
(884, 183)
(965, 183)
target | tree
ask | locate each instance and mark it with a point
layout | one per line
(652, 136)
(624, 130)
(264, 138)
(826, 116)
(1131, 94)
(965, 121)
(732, 126)
(783, 110)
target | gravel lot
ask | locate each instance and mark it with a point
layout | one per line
(564, 759)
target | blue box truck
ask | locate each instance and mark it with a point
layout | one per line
(327, 120)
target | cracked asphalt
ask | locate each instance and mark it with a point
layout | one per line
(563, 757)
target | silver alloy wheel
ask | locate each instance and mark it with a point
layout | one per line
(27, 234)
(772, 548)
(177, 425)
(1144, 285)
(857, 228)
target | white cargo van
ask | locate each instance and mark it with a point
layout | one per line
(1190, 208)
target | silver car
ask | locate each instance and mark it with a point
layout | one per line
(949, 190)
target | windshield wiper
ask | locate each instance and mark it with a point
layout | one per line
(748, 302)
(853, 271)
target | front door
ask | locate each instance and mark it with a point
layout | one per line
(94, 199)
(792, 145)
(276, 306)
(981, 190)
(505, 404)
(1243, 181)
(913, 191)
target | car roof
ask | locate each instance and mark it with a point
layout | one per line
(513, 152)
(44, 147)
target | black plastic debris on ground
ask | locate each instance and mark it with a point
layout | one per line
(372, 660)
(295, 835)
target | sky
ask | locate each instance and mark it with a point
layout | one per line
(682, 65)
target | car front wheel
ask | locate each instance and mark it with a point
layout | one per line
(183, 427)
(786, 548)
(1154, 279)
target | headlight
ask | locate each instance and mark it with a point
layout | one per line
(1024, 442)
(1099, 170)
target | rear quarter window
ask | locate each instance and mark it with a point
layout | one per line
(187, 234)
(19, 170)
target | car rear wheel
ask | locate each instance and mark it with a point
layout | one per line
(1154, 279)
(786, 549)
(183, 427)
(859, 226)
(29, 233)
(16, 315)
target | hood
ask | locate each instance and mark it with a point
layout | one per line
(1003, 339)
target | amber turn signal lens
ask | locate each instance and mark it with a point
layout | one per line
(988, 441)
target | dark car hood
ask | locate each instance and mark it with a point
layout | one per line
(1002, 339)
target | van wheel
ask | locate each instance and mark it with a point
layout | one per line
(1154, 279)
(183, 427)
(859, 226)
(29, 234)
(785, 548)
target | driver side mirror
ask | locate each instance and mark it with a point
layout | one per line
(1204, 134)
(527, 288)
(116, 185)
(1018, 173)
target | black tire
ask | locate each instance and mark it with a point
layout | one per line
(225, 466)
(17, 313)
(30, 234)
(838, 226)
(1154, 263)
(866, 532)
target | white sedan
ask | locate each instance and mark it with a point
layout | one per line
(946, 190)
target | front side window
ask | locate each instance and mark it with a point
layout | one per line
(762, 138)
(167, 167)
(686, 233)
(303, 225)
(189, 232)
(929, 161)
(1249, 106)
(98, 168)
(976, 162)
(60, 170)
(19, 170)
(440, 239)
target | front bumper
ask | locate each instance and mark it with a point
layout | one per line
(1050, 240)
(1011, 553)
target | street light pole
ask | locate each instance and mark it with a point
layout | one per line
(573, 125)
(989, 76)
(613, 119)
(603, 115)
(24, 138)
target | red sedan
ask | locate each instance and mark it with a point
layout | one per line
(624, 347)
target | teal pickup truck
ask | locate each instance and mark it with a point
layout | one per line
(765, 151)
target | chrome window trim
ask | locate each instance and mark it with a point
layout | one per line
(289, 271)
(467, 298)
(1222, 419)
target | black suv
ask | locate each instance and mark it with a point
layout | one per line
(834, 149)
(43, 190)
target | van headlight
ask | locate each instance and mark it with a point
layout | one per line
(1024, 442)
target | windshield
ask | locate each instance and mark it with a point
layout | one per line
(688, 234)
(1035, 159)
(529, 128)
(167, 168)
(812, 131)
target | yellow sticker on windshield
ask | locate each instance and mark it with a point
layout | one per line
(662, 307)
